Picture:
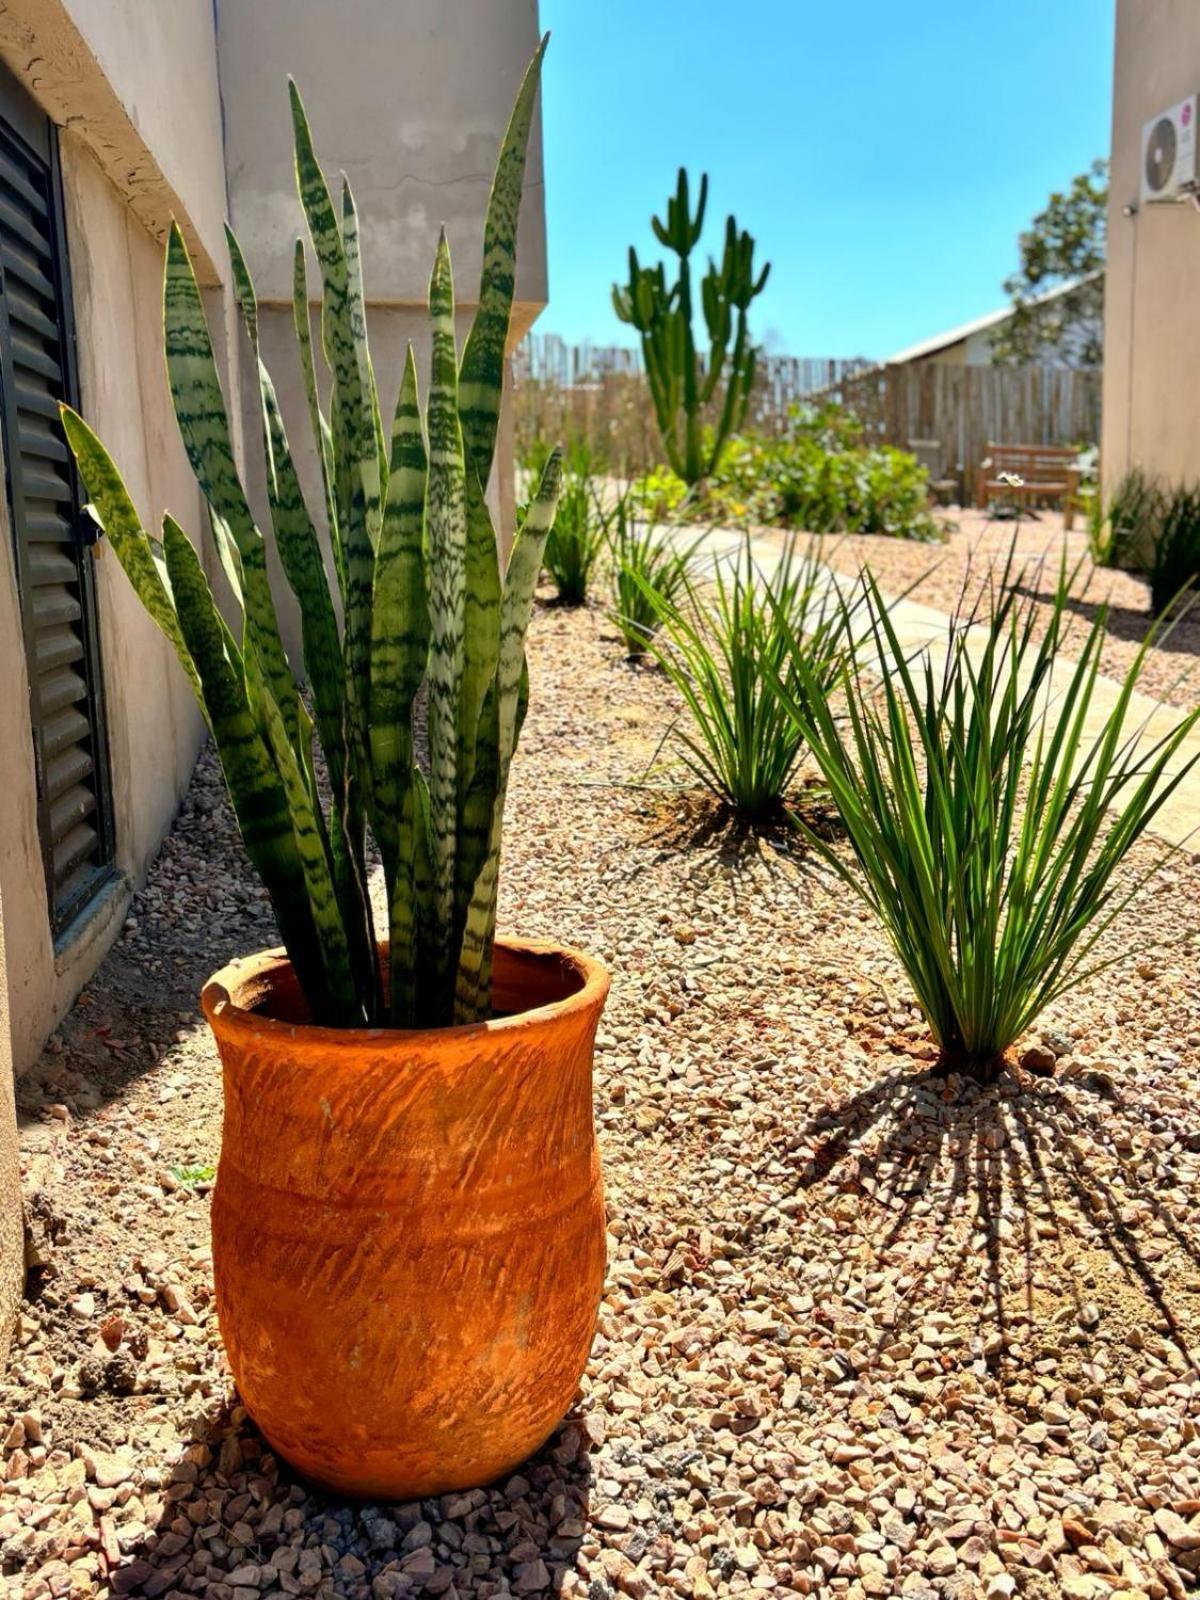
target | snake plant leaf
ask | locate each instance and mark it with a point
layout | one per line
(409, 904)
(258, 796)
(356, 457)
(481, 621)
(322, 437)
(399, 615)
(482, 373)
(297, 544)
(300, 556)
(131, 544)
(446, 524)
(473, 985)
(311, 848)
(227, 555)
(204, 425)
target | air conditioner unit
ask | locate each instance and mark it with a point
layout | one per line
(1169, 165)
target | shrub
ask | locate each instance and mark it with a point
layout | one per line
(800, 482)
(1175, 562)
(987, 828)
(649, 571)
(741, 655)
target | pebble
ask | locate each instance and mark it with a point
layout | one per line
(866, 1331)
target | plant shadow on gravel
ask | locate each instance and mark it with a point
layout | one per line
(231, 1496)
(919, 1142)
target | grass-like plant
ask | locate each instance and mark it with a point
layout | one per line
(649, 572)
(1176, 556)
(743, 651)
(422, 600)
(988, 821)
(1126, 532)
(576, 541)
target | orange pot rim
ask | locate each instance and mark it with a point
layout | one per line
(219, 998)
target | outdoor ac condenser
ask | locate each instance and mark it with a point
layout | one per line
(1169, 169)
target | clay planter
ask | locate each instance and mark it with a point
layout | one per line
(408, 1227)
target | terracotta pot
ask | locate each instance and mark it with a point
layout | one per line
(408, 1227)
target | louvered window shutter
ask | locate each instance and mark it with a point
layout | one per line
(53, 558)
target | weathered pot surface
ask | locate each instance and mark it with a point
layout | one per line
(408, 1227)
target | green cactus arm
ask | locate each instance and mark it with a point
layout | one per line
(481, 375)
(322, 437)
(472, 986)
(254, 786)
(399, 618)
(446, 523)
(204, 425)
(131, 544)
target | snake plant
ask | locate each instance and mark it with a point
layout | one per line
(421, 599)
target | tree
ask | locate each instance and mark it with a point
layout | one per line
(1063, 249)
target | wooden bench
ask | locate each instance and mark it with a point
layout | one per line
(1046, 472)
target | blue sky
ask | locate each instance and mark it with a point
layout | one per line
(884, 156)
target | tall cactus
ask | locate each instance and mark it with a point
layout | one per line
(423, 600)
(679, 386)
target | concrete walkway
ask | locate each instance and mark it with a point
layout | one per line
(922, 627)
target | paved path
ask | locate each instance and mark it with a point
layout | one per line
(920, 626)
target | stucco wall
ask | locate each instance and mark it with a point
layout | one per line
(12, 1241)
(138, 84)
(1152, 310)
(410, 101)
(154, 727)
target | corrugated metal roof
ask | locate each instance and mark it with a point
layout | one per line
(942, 341)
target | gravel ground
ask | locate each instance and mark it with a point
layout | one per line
(867, 1332)
(976, 544)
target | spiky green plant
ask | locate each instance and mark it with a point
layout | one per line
(649, 571)
(1175, 562)
(423, 599)
(576, 540)
(734, 650)
(988, 824)
(680, 387)
(1126, 533)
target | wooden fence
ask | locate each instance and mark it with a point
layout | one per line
(967, 407)
(599, 393)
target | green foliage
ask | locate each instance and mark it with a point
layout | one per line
(1126, 533)
(649, 572)
(820, 479)
(741, 656)
(576, 540)
(661, 493)
(1065, 244)
(987, 827)
(423, 601)
(681, 387)
(1175, 564)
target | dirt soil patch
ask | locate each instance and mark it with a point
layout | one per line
(866, 1332)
